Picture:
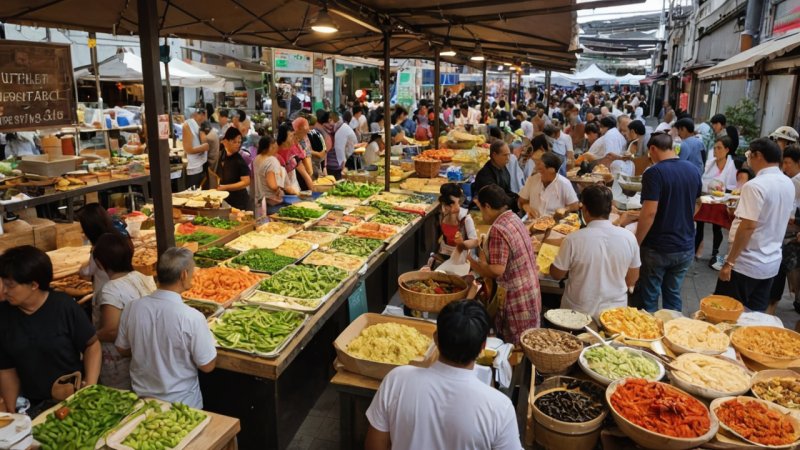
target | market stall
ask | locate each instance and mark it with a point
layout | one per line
(317, 263)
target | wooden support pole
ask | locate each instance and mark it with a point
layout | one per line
(387, 124)
(483, 93)
(437, 87)
(157, 149)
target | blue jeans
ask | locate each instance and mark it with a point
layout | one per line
(662, 274)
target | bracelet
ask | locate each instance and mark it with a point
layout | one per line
(728, 263)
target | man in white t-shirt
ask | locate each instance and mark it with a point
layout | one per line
(445, 406)
(196, 151)
(547, 191)
(602, 260)
(757, 232)
(168, 341)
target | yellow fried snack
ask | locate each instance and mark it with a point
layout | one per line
(770, 341)
(632, 323)
(391, 343)
(696, 335)
(711, 373)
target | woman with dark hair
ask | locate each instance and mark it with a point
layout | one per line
(95, 222)
(509, 259)
(457, 226)
(270, 178)
(43, 334)
(399, 116)
(234, 172)
(113, 254)
(719, 175)
(288, 155)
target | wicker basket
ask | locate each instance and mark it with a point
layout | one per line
(550, 363)
(427, 168)
(430, 302)
(714, 314)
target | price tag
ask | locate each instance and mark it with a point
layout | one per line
(163, 126)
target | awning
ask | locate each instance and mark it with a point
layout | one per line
(127, 67)
(228, 73)
(739, 64)
(540, 32)
(653, 78)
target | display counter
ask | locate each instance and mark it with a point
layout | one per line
(272, 397)
(142, 181)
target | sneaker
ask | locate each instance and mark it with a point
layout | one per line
(718, 263)
(712, 260)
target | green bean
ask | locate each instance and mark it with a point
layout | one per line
(305, 282)
(163, 429)
(92, 412)
(255, 329)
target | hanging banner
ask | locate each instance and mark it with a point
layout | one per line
(36, 86)
(292, 61)
(406, 87)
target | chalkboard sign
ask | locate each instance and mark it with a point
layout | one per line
(36, 87)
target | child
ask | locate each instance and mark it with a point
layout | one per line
(458, 229)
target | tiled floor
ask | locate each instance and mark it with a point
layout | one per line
(320, 431)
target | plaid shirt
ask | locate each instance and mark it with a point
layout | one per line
(509, 245)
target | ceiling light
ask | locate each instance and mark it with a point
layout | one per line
(500, 68)
(477, 55)
(447, 50)
(323, 23)
(506, 63)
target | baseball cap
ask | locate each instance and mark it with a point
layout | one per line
(784, 132)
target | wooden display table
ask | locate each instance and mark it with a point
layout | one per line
(353, 389)
(219, 434)
(272, 397)
(142, 181)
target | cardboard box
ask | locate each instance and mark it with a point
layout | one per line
(15, 239)
(44, 234)
(375, 369)
(69, 235)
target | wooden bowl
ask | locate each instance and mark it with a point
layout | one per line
(772, 406)
(721, 308)
(773, 362)
(706, 392)
(652, 440)
(680, 349)
(584, 364)
(430, 302)
(765, 375)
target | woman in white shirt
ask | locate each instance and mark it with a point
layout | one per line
(720, 174)
(547, 191)
(113, 253)
(721, 166)
(457, 226)
(374, 150)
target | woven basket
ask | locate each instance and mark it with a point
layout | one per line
(549, 363)
(733, 308)
(430, 302)
(427, 168)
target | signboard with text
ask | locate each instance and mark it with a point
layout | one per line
(292, 61)
(36, 86)
(406, 87)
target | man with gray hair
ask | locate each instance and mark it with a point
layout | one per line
(168, 341)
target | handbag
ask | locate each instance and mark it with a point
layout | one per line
(65, 386)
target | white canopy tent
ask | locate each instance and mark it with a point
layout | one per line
(594, 75)
(126, 66)
(630, 79)
(589, 76)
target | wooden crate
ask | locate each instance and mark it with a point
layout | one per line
(44, 234)
(9, 240)
(69, 235)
